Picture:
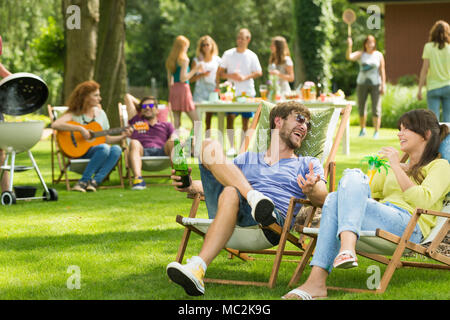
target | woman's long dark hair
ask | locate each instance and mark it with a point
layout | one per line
(422, 121)
(440, 33)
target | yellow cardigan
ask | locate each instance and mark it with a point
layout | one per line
(430, 194)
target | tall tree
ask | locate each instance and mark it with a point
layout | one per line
(110, 69)
(81, 41)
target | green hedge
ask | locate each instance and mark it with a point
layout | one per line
(314, 29)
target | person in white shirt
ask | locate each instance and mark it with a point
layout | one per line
(241, 66)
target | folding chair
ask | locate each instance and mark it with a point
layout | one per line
(378, 245)
(149, 163)
(66, 164)
(251, 239)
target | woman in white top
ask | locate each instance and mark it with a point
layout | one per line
(280, 64)
(371, 79)
(205, 82)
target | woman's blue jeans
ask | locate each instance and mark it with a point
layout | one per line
(103, 159)
(351, 208)
(435, 98)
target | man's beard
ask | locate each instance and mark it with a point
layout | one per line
(148, 117)
(285, 137)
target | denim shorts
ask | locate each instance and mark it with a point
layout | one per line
(154, 152)
(212, 190)
(244, 114)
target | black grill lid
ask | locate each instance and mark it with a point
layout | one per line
(22, 93)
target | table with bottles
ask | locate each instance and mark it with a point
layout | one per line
(222, 107)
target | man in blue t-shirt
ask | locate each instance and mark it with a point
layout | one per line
(253, 189)
(150, 138)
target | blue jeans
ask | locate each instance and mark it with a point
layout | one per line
(351, 208)
(212, 190)
(434, 99)
(103, 159)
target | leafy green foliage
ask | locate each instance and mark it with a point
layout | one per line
(50, 45)
(314, 28)
(152, 26)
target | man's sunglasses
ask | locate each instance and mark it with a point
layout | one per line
(301, 120)
(148, 105)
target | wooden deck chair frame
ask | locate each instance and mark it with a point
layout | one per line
(66, 164)
(400, 244)
(392, 245)
(284, 232)
(149, 163)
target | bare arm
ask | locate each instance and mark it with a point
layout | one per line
(4, 72)
(394, 161)
(423, 77)
(219, 75)
(288, 76)
(383, 75)
(131, 102)
(62, 125)
(184, 75)
(349, 55)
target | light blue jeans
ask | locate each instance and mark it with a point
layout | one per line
(351, 208)
(435, 98)
(103, 159)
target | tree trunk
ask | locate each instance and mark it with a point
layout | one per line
(110, 69)
(81, 44)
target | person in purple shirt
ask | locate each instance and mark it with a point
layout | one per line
(150, 138)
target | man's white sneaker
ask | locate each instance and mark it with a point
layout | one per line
(262, 208)
(189, 276)
(231, 152)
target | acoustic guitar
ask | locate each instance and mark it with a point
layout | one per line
(73, 145)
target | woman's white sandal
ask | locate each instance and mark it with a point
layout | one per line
(300, 295)
(341, 262)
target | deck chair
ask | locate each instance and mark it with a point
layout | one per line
(251, 240)
(62, 165)
(379, 245)
(153, 163)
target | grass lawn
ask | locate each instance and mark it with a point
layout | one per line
(122, 240)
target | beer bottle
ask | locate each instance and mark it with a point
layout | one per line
(179, 164)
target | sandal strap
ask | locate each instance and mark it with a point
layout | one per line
(347, 252)
(302, 294)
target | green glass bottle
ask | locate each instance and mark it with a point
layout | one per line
(179, 164)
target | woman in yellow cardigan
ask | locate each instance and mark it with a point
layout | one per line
(423, 182)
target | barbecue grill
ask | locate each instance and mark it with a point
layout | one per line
(20, 94)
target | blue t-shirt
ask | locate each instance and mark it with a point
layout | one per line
(279, 181)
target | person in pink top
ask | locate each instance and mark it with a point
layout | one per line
(150, 138)
(5, 177)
